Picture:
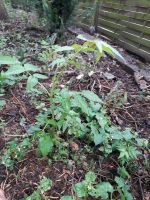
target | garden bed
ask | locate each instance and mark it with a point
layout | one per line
(126, 104)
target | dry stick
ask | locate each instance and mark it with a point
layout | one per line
(141, 189)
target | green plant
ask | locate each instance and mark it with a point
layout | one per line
(82, 115)
(123, 189)
(66, 198)
(90, 187)
(44, 185)
(15, 151)
(16, 71)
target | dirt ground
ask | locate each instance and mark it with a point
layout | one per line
(106, 76)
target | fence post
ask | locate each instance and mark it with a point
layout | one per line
(97, 4)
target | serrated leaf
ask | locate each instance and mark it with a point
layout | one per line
(81, 103)
(45, 145)
(102, 120)
(8, 60)
(91, 96)
(98, 138)
(31, 82)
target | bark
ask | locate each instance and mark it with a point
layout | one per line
(3, 11)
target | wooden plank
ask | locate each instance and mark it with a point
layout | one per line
(135, 38)
(137, 27)
(113, 15)
(145, 3)
(108, 32)
(127, 6)
(144, 54)
(113, 25)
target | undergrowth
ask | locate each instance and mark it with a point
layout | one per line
(71, 116)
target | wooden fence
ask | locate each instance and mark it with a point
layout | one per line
(127, 22)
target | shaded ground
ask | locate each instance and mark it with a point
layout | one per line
(134, 113)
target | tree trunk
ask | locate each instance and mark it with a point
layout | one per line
(3, 11)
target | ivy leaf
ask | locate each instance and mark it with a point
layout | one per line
(91, 96)
(45, 145)
(31, 82)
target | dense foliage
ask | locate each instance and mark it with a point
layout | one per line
(56, 12)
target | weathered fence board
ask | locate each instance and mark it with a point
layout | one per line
(126, 22)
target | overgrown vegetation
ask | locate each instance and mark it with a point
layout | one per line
(72, 126)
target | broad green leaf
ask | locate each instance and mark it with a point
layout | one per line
(103, 46)
(31, 82)
(142, 142)
(66, 198)
(80, 189)
(123, 172)
(14, 70)
(99, 46)
(40, 76)
(44, 185)
(58, 61)
(103, 189)
(63, 48)
(115, 53)
(45, 145)
(30, 67)
(91, 96)
(90, 177)
(120, 181)
(102, 120)
(98, 138)
(115, 133)
(8, 60)
(81, 103)
(127, 135)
